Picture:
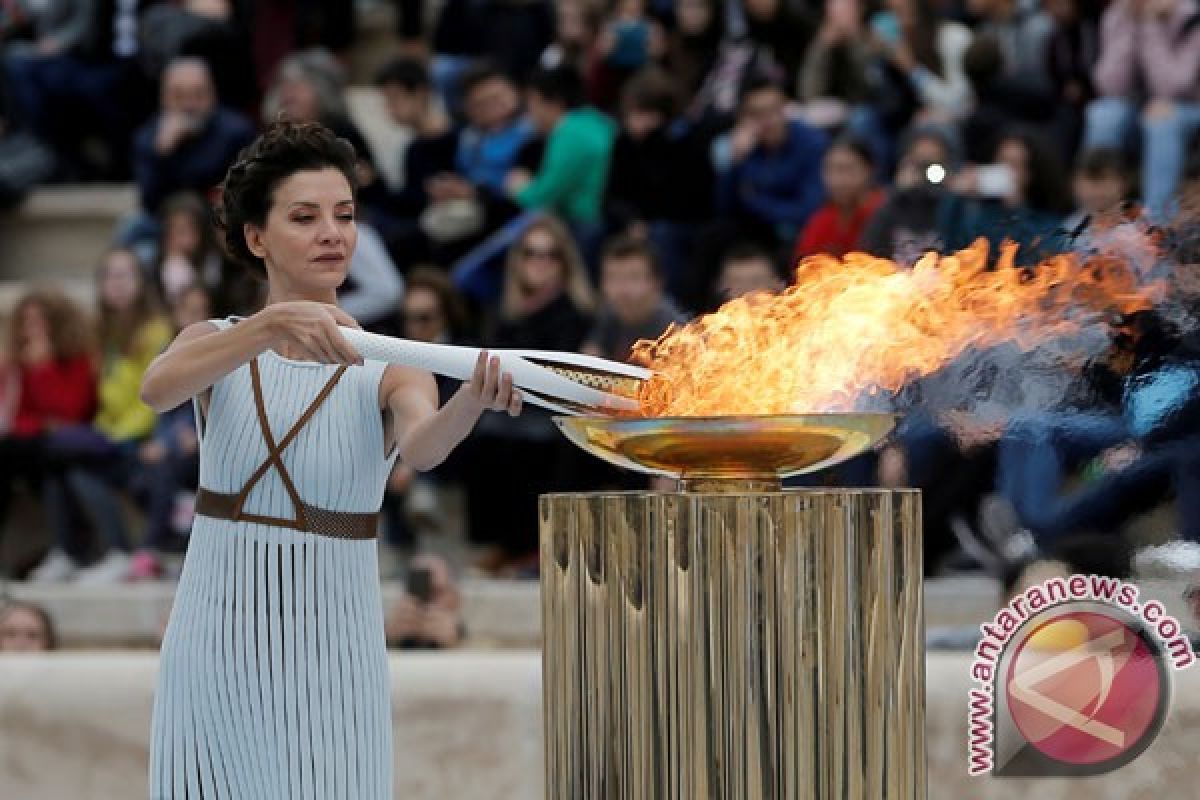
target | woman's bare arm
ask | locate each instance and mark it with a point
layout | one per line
(425, 434)
(201, 354)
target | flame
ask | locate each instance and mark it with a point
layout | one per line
(849, 327)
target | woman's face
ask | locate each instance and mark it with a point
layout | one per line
(35, 328)
(192, 306)
(120, 281)
(847, 177)
(22, 631)
(540, 265)
(424, 319)
(693, 16)
(1015, 155)
(181, 236)
(309, 234)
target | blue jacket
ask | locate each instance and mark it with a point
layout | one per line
(780, 187)
(197, 165)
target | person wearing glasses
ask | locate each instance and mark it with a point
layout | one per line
(546, 304)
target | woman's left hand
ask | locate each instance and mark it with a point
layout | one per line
(490, 388)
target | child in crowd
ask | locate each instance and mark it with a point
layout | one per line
(837, 227)
(168, 462)
(50, 384)
(89, 464)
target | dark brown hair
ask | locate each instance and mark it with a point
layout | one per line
(625, 246)
(283, 149)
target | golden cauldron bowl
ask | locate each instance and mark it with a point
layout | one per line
(754, 450)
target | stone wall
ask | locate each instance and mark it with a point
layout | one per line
(468, 725)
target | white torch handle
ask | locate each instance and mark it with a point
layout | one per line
(538, 385)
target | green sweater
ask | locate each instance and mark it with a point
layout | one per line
(570, 181)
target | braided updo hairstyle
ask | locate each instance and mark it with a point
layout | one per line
(248, 190)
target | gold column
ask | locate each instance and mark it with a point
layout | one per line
(744, 645)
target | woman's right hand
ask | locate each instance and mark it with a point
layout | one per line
(312, 329)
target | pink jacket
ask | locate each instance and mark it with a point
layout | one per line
(1167, 51)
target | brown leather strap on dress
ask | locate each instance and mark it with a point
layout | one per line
(304, 513)
(322, 522)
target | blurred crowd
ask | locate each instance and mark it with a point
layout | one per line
(576, 175)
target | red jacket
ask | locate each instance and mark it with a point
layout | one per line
(826, 232)
(55, 392)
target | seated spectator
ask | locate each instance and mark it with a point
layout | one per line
(168, 463)
(747, 269)
(310, 86)
(187, 250)
(918, 71)
(833, 82)
(89, 465)
(768, 167)
(693, 43)
(1001, 101)
(1022, 33)
(660, 183)
(629, 40)
(576, 25)
(50, 384)
(906, 226)
(431, 311)
(1103, 186)
(546, 305)
(26, 628)
(77, 82)
(570, 180)
(410, 101)
(635, 307)
(428, 616)
(190, 143)
(488, 147)
(1020, 197)
(213, 30)
(1149, 67)
(837, 227)
(1072, 51)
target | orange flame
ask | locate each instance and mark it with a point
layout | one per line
(852, 326)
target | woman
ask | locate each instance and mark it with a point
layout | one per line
(53, 379)
(432, 311)
(26, 628)
(273, 678)
(92, 464)
(920, 65)
(837, 227)
(545, 306)
(1026, 207)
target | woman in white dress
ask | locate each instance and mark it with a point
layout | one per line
(273, 680)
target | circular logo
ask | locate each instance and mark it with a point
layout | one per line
(1086, 688)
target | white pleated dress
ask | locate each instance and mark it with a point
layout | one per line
(273, 680)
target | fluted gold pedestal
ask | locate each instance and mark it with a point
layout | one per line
(736, 645)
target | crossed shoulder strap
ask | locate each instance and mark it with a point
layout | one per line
(275, 453)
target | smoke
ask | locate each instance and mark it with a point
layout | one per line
(996, 382)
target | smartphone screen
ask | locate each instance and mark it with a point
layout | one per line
(995, 180)
(886, 26)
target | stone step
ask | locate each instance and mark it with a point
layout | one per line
(469, 725)
(60, 232)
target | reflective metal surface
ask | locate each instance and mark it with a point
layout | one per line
(733, 646)
(693, 448)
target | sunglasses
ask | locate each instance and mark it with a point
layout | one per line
(537, 252)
